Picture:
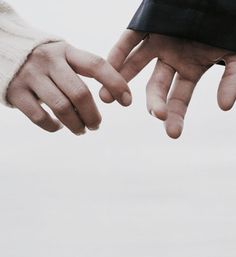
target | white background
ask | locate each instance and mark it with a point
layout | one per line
(127, 190)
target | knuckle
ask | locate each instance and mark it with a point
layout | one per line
(68, 47)
(48, 57)
(58, 67)
(159, 84)
(97, 62)
(179, 101)
(15, 96)
(62, 44)
(29, 73)
(49, 52)
(81, 94)
(62, 107)
(12, 89)
(42, 52)
(26, 73)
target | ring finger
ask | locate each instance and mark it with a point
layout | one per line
(61, 106)
(78, 93)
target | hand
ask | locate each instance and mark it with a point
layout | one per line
(49, 76)
(179, 67)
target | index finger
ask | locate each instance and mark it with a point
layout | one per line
(119, 53)
(121, 50)
(90, 65)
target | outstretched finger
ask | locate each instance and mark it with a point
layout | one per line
(119, 53)
(158, 88)
(137, 61)
(134, 63)
(178, 103)
(90, 65)
(127, 42)
(227, 87)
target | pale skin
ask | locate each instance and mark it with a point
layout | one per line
(50, 76)
(180, 65)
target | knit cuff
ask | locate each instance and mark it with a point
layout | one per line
(17, 41)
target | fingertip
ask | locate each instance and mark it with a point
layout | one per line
(105, 96)
(174, 131)
(94, 128)
(225, 104)
(126, 99)
(55, 127)
(81, 133)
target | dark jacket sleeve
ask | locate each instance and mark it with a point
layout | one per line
(208, 21)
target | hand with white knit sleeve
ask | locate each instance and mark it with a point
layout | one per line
(40, 68)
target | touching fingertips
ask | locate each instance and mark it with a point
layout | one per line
(125, 99)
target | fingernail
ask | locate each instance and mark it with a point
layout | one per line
(94, 128)
(126, 99)
(81, 133)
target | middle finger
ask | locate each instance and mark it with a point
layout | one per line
(61, 106)
(78, 93)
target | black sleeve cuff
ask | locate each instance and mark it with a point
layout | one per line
(211, 23)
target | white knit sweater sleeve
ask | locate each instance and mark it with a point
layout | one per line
(17, 40)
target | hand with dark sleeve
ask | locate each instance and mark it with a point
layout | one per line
(187, 40)
(40, 68)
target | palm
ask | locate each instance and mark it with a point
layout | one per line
(180, 65)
